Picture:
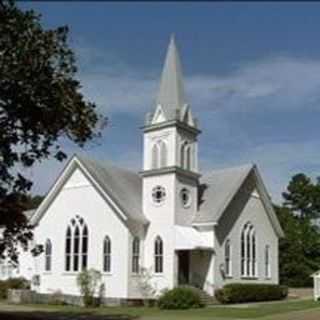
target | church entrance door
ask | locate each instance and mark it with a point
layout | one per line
(183, 267)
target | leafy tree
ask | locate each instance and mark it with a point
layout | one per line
(33, 202)
(299, 252)
(40, 106)
(303, 197)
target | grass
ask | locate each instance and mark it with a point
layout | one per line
(213, 313)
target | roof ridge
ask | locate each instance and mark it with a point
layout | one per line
(106, 164)
(248, 165)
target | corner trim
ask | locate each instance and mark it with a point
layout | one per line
(172, 169)
(170, 123)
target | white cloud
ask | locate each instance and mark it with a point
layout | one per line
(280, 84)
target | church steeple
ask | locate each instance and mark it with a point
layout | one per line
(170, 132)
(171, 95)
(171, 102)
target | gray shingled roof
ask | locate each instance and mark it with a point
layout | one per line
(171, 95)
(123, 186)
(218, 188)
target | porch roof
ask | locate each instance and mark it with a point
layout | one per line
(188, 238)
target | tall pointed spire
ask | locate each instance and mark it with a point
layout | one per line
(171, 93)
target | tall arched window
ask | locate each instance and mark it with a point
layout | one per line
(48, 255)
(227, 257)
(163, 154)
(248, 251)
(158, 255)
(135, 255)
(107, 254)
(76, 246)
(267, 262)
(68, 249)
(155, 156)
(84, 252)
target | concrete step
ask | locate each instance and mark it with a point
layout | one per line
(204, 296)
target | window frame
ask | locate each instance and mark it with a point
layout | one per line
(135, 266)
(48, 256)
(76, 245)
(107, 255)
(267, 265)
(248, 252)
(158, 255)
(228, 258)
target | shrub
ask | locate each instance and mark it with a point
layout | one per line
(180, 298)
(89, 283)
(12, 283)
(241, 292)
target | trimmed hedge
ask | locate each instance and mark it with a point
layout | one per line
(180, 298)
(241, 292)
(12, 283)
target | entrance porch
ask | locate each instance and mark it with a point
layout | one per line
(194, 258)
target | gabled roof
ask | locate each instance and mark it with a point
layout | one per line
(122, 188)
(218, 188)
(171, 95)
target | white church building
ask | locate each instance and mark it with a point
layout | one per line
(183, 227)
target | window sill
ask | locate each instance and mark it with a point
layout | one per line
(229, 277)
(107, 274)
(249, 278)
(160, 275)
(70, 273)
(135, 274)
(47, 273)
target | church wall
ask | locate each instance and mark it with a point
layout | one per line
(79, 197)
(161, 219)
(134, 283)
(246, 207)
(184, 214)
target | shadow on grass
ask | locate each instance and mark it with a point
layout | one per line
(42, 315)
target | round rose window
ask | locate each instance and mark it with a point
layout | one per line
(158, 194)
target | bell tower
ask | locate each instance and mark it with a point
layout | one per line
(170, 170)
(170, 161)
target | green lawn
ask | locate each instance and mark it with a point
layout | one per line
(212, 313)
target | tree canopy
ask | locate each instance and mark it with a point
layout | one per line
(299, 251)
(40, 105)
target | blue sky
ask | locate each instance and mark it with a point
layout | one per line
(252, 76)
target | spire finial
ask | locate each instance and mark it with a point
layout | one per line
(171, 92)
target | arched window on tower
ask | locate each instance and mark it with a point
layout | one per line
(188, 158)
(76, 245)
(158, 255)
(248, 251)
(155, 156)
(48, 255)
(163, 154)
